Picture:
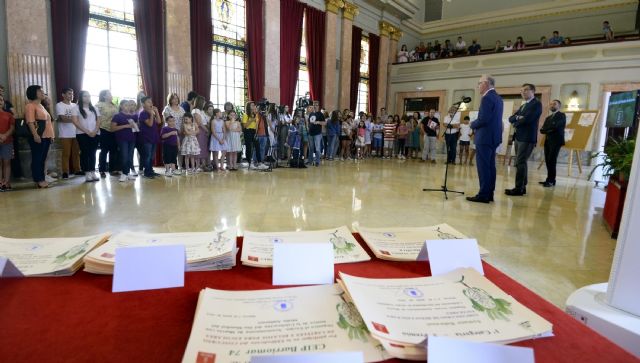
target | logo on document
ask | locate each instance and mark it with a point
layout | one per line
(282, 306)
(389, 234)
(276, 240)
(379, 327)
(413, 292)
(203, 357)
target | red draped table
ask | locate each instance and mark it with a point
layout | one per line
(78, 319)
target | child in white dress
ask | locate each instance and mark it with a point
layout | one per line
(218, 144)
(190, 148)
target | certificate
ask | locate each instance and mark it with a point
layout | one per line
(404, 244)
(462, 304)
(205, 251)
(257, 247)
(49, 256)
(233, 326)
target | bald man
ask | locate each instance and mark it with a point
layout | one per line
(488, 135)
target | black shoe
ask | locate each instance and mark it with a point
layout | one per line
(477, 199)
(149, 176)
(103, 174)
(543, 182)
(79, 173)
(515, 192)
(549, 184)
(65, 176)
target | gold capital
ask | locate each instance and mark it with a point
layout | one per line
(386, 29)
(350, 11)
(334, 5)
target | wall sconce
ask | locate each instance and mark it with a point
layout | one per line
(573, 104)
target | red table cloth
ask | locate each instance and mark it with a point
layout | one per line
(79, 319)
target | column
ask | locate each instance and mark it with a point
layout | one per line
(331, 55)
(272, 51)
(383, 59)
(393, 51)
(178, 48)
(348, 15)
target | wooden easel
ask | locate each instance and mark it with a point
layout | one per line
(570, 164)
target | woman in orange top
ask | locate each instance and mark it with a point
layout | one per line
(39, 122)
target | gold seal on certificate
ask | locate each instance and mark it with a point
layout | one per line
(49, 256)
(233, 326)
(257, 247)
(405, 243)
(206, 251)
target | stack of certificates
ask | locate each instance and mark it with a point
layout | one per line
(404, 244)
(402, 313)
(257, 247)
(205, 251)
(49, 256)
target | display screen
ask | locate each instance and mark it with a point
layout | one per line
(622, 108)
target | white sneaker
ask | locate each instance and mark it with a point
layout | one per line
(95, 176)
(168, 173)
(88, 178)
(262, 166)
(133, 173)
(123, 178)
(49, 179)
(177, 172)
(131, 177)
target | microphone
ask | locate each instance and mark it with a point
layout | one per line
(464, 100)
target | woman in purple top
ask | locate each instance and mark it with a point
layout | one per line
(125, 124)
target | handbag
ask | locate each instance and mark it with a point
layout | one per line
(22, 129)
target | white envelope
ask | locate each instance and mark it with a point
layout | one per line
(303, 264)
(338, 357)
(447, 255)
(149, 267)
(448, 350)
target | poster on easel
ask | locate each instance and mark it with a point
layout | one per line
(507, 111)
(579, 128)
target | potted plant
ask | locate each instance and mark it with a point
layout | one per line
(615, 162)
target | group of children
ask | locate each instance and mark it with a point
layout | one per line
(224, 142)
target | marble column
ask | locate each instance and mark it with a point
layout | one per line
(330, 88)
(393, 51)
(383, 59)
(178, 48)
(272, 51)
(348, 15)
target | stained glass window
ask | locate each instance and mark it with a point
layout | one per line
(228, 60)
(111, 60)
(363, 85)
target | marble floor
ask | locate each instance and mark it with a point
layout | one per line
(552, 240)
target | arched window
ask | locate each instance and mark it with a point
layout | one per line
(111, 60)
(228, 61)
(302, 86)
(363, 85)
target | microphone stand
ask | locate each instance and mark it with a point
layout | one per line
(444, 188)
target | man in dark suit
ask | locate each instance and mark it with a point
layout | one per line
(488, 135)
(525, 121)
(553, 129)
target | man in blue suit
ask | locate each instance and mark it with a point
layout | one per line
(525, 121)
(488, 136)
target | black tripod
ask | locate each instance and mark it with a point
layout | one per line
(444, 188)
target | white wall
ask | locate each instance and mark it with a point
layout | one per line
(456, 8)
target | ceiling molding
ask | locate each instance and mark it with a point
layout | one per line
(515, 15)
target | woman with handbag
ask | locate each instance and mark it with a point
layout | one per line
(39, 123)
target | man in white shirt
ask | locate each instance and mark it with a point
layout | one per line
(67, 111)
(461, 46)
(451, 131)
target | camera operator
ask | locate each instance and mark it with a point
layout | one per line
(285, 119)
(316, 121)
